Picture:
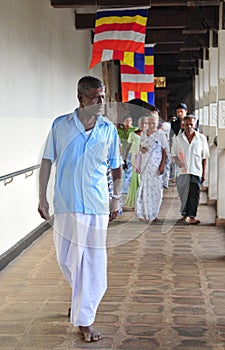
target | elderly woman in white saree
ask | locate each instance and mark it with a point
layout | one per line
(154, 171)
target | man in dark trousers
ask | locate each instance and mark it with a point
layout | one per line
(190, 151)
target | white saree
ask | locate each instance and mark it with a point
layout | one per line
(149, 193)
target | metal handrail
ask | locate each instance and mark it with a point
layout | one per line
(28, 172)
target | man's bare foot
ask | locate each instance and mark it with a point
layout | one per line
(142, 219)
(155, 221)
(90, 334)
(182, 220)
(194, 221)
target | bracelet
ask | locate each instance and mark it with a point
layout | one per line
(116, 196)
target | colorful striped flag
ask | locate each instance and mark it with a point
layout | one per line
(139, 85)
(118, 31)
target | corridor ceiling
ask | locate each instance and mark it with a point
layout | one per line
(182, 31)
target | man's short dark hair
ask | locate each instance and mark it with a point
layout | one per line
(88, 82)
(127, 116)
(182, 106)
(156, 110)
(190, 116)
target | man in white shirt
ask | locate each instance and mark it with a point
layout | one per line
(190, 151)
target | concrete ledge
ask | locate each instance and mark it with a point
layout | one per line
(220, 222)
(19, 247)
(204, 188)
(211, 202)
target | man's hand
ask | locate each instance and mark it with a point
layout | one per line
(203, 170)
(114, 203)
(180, 163)
(114, 207)
(143, 149)
(44, 174)
(113, 215)
(203, 178)
(161, 169)
(43, 210)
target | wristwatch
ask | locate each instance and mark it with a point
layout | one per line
(116, 196)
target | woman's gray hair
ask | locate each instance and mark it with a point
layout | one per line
(153, 115)
(141, 119)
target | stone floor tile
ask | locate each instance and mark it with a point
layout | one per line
(166, 288)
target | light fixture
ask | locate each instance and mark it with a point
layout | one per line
(160, 82)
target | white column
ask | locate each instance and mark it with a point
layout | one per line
(220, 220)
(212, 131)
(205, 96)
(205, 108)
(196, 91)
(200, 90)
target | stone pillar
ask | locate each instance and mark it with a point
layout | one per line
(212, 175)
(212, 131)
(205, 128)
(196, 93)
(200, 94)
(220, 220)
(205, 105)
(213, 90)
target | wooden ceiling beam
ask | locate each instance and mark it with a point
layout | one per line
(116, 3)
(87, 21)
(84, 20)
(166, 48)
(71, 3)
(128, 3)
(190, 20)
(97, 3)
(164, 36)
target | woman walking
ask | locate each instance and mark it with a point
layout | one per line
(133, 147)
(154, 171)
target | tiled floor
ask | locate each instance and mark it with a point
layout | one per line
(166, 289)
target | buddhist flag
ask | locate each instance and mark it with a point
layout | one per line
(139, 85)
(118, 31)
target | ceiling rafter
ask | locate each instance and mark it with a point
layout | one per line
(125, 3)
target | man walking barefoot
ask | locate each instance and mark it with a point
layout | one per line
(81, 145)
(190, 150)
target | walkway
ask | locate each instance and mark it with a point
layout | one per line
(166, 289)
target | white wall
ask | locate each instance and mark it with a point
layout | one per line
(42, 58)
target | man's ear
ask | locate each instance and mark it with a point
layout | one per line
(79, 98)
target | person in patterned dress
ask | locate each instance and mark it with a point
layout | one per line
(154, 171)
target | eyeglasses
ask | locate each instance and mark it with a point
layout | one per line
(97, 98)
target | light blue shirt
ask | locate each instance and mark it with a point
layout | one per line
(81, 163)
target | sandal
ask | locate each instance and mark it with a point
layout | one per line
(194, 222)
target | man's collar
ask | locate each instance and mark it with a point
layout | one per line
(184, 132)
(100, 119)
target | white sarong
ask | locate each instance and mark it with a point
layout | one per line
(80, 242)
